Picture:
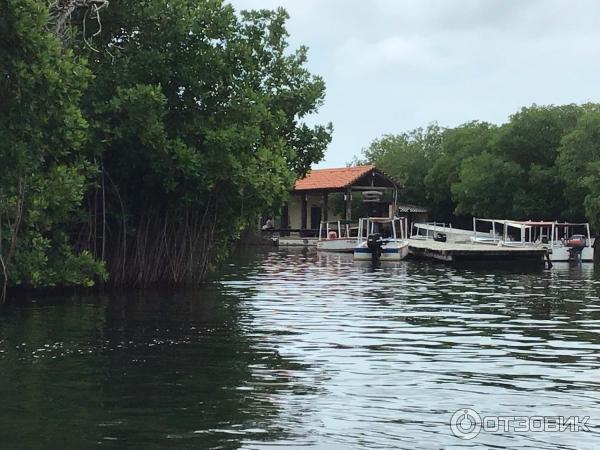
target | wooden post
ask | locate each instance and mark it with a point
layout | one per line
(348, 204)
(285, 217)
(303, 212)
(325, 214)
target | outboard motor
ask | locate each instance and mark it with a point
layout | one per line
(375, 243)
(440, 237)
(576, 244)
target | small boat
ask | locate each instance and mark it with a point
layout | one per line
(335, 237)
(564, 241)
(439, 231)
(381, 239)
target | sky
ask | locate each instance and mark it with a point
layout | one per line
(394, 65)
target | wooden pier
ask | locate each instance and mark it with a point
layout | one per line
(456, 251)
(294, 241)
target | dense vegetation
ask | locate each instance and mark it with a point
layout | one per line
(137, 140)
(543, 164)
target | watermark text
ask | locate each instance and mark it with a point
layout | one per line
(467, 423)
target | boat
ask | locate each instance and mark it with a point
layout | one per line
(336, 237)
(443, 232)
(502, 233)
(438, 231)
(381, 238)
(565, 241)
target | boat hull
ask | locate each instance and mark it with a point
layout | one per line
(561, 254)
(337, 245)
(392, 251)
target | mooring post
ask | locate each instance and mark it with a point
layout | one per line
(348, 198)
(303, 212)
(548, 260)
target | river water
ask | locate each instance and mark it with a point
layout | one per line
(289, 349)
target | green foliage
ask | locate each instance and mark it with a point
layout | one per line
(487, 186)
(592, 200)
(458, 144)
(407, 158)
(151, 142)
(539, 165)
(579, 155)
(49, 262)
(204, 101)
(43, 175)
(533, 135)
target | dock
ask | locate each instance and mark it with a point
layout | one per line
(294, 241)
(457, 251)
(269, 238)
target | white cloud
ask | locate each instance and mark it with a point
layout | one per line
(392, 65)
(395, 54)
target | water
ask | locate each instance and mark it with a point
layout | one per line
(293, 350)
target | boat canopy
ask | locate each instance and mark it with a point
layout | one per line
(366, 226)
(508, 223)
(382, 219)
(549, 224)
(335, 222)
(541, 228)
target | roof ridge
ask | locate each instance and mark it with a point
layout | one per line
(370, 166)
(332, 178)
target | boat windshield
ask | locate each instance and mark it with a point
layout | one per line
(388, 228)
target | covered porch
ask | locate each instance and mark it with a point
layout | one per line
(311, 200)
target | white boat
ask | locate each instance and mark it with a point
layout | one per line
(381, 238)
(565, 241)
(336, 237)
(439, 230)
(502, 233)
(447, 233)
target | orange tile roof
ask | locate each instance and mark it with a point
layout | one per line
(331, 178)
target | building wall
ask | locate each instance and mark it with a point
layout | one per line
(295, 210)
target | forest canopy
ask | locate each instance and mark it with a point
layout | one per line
(543, 164)
(138, 139)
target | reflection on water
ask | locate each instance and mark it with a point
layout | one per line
(299, 349)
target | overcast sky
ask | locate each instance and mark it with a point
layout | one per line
(393, 65)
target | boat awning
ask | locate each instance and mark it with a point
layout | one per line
(381, 219)
(549, 224)
(508, 223)
(536, 224)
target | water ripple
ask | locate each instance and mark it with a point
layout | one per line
(293, 349)
(400, 348)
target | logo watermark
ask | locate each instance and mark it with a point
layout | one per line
(467, 423)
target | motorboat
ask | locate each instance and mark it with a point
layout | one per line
(565, 241)
(381, 239)
(336, 236)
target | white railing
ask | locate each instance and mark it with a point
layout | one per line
(431, 229)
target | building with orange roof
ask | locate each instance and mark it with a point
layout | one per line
(309, 201)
